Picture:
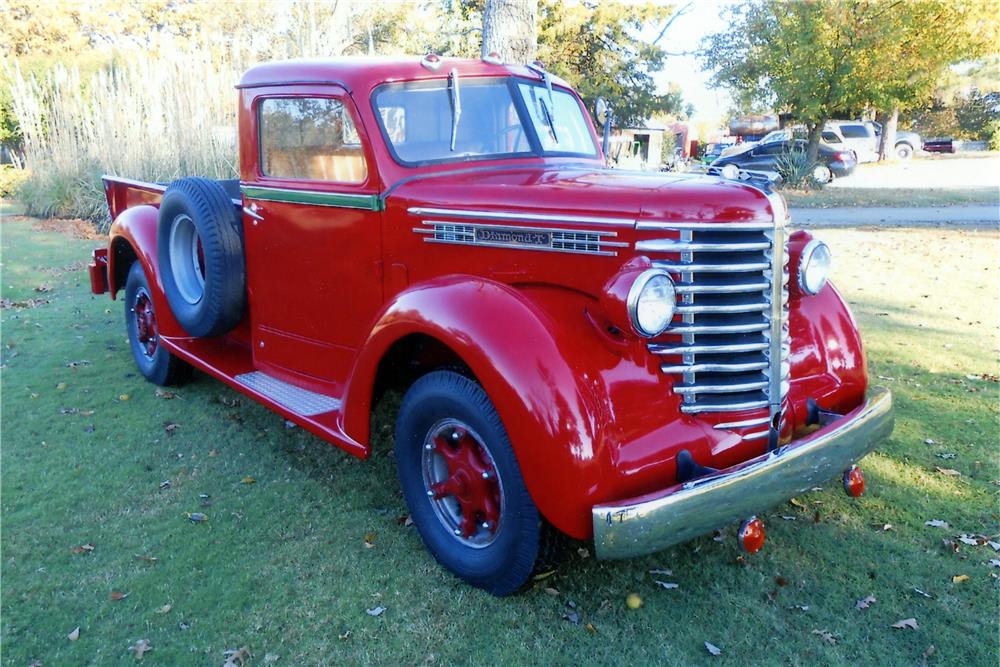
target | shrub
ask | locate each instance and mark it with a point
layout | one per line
(145, 119)
(796, 171)
(11, 177)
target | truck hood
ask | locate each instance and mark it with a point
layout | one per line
(584, 190)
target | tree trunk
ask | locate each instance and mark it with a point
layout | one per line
(815, 134)
(887, 143)
(509, 30)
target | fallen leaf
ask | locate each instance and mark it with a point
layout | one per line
(543, 575)
(144, 557)
(995, 562)
(572, 617)
(248, 480)
(123, 397)
(930, 441)
(165, 609)
(197, 517)
(946, 455)
(83, 548)
(377, 611)
(370, 541)
(937, 523)
(788, 518)
(140, 648)
(781, 581)
(170, 427)
(583, 553)
(270, 658)
(344, 635)
(906, 624)
(117, 595)
(713, 649)
(718, 536)
(667, 584)
(74, 635)
(886, 527)
(237, 658)
(590, 628)
(827, 636)
(923, 593)
(950, 472)
(633, 601)
(798, 503)
(165, 484)
(551, 591)
(800, 607)
(959, 578)
(664, 571)
(166, 395)
(966, 539)
(994, 545)
(865, 602)
(60, 386)
(212, 453)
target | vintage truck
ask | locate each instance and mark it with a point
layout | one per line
(631, 358)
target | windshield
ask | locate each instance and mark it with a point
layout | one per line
(497, 120)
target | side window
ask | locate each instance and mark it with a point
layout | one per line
(854, 131)
(830, 137)
(311, 139)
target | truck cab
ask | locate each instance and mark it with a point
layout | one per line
(630, 358)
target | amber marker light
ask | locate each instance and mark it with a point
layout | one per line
(854, 481)
(752, 535)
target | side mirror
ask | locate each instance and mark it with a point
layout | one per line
(601, 110)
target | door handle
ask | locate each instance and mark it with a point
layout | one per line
(252, 212)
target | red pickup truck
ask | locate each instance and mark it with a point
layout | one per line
(631, 358)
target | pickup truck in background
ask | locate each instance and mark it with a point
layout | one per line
(632, 359)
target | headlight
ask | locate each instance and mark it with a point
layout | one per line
(731, 171)
(814, 266)
(651, 302)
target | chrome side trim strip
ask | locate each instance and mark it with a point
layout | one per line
(757, 421)
(515, 216)
(749, 226)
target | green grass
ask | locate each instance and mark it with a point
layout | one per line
(282, 565)
(904, 197)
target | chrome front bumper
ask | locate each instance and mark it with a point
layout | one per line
(642, 525)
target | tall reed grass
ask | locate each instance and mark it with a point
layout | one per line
(148, 119)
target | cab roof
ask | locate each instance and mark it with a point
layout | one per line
(362, 73)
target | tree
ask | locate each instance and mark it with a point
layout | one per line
(509, 30)
(818, 58)
(595, 47)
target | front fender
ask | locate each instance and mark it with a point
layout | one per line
(536, 378)
(133, 238)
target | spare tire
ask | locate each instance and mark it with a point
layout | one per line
(200, 252)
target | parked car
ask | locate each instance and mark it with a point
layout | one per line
(907, 142)
(832, 162)
(713, 151)
(598, 352)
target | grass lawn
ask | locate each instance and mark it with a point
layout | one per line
(289, 564)
(904, 197)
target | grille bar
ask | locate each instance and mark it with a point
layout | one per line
(728, 346)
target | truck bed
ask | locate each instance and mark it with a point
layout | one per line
(123, 193)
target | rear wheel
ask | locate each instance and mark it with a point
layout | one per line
(152, 359)
(904, 151)
(822, 174)
(462, 483)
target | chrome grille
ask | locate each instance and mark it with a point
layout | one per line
(728, 344)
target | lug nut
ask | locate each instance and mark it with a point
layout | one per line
(487, 475)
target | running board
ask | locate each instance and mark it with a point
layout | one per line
(298, 400)
(232, 362)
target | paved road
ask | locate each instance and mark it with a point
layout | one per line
(975, 216)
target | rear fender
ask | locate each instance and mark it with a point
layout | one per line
(536, 378)
(133, 238)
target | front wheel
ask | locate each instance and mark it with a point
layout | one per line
(462, 483)
(152, 359)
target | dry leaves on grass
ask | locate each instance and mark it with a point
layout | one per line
(74, 635)
(906, 624)
(865, 602)
(197, 517)
(166, 395)
(248, 480)
(140, 648)
(948, 472)
(713, 649)
(170, 427)
(83, 548)
(667, 584)
(376, 611)
(115, 596)
(145, 558)
(826, 636)
(165, 609)
(237, 657)
(937, 523)
(959, 578)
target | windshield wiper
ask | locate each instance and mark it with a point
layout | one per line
(549, 120)
(456, 105)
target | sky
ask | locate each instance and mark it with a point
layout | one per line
(686, 34)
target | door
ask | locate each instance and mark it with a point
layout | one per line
(313, 240)
(861, 139)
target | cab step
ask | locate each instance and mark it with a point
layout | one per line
(301, 401)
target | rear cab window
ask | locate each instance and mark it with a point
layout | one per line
(855, 132)
(309, 138)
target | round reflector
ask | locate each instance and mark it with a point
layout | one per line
(854, 481)
(751, 535)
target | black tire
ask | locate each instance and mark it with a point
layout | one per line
(200, 253)
(152, 359)
(506, 561)
(904, 151)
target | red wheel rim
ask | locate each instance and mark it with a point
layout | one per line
(145, 323)
(462, 484)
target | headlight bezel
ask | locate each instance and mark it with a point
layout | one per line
(805, 259)
(632, 303)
